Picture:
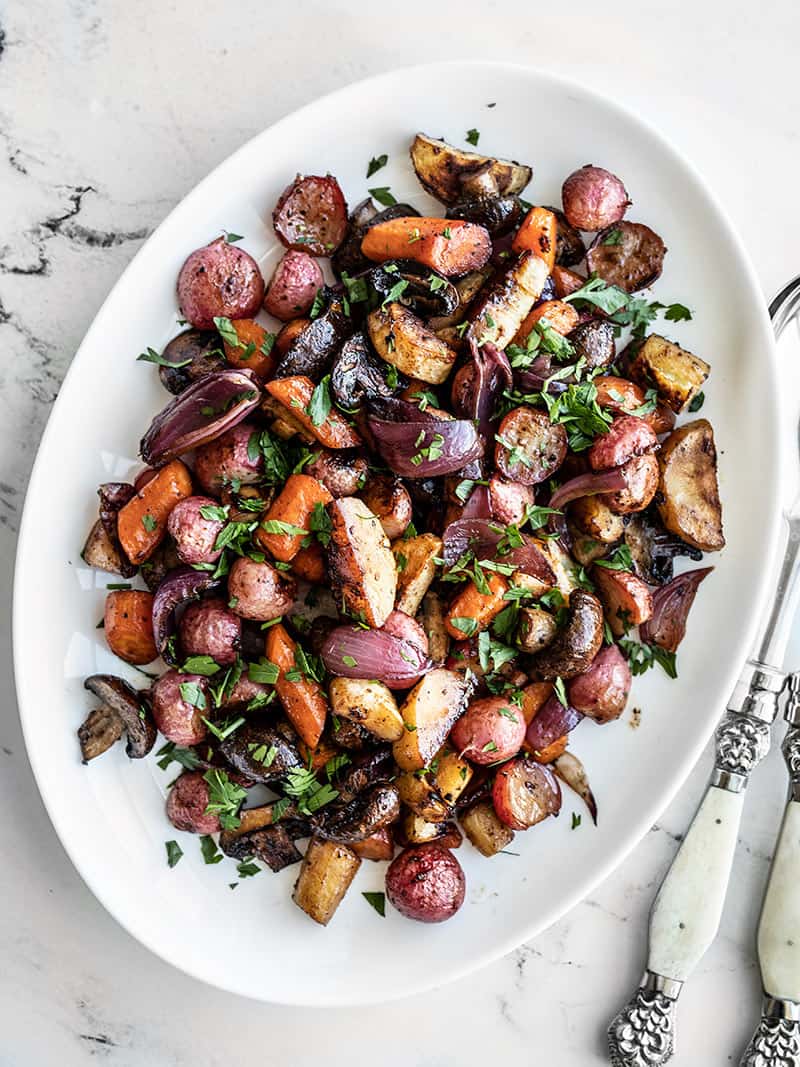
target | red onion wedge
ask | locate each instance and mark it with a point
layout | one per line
(570, 770)
(425, 449)
(201, 413)
(479, 536)
(552, 721)
(588, 485)
(350, 652)
(530, 559)
(478, 505)
(488, 375)
(180, 585)
(666, 627)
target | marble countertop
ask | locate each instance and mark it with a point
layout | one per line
(109, 113)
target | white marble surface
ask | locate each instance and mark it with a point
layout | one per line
(109, 113)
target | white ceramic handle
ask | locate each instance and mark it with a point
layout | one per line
(779, 928)
(687, 910)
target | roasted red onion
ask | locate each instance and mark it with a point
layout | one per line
(530, 559)
(552, 721)
(666, 627)
(610, 481)
(350, 652)
(486, 378)
(534, 378)
(478, 504)
(180, 585)
(426, 448)
(479, 536)
(570, 770)
(201, 413)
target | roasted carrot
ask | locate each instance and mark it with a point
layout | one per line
(302, 698)
(287, 522)
(250, 353)
(142, 523)
(470, 603)
(289, 333)
(566, 281)
(552, 751)
(449, 246)
(309, 564)
(128, 625)
(558, 315)
(538, 233)
(295, 394)
(534, 697)
(317, 757)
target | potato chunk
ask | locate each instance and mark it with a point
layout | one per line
(444, 169)
(483, 828)
(689, 502)
(325, 876)
(430, 710)
(360, 562)
(370, 704)
(405, 341)
(416, 569)
(676, 373)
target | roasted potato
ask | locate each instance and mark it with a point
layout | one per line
(433, 791)
(416, 568)
(593, 516)
(325, 876)
(688, 500)
(101, 552)
(676, 373)
(360, 562)
(428, 714)
(426, 882)
(484, 830)
(503, 306)
(405, 341)
(414, 830)
(389, 499)
(433, 624)
(446, 171)
(535, 630)
(369, 703)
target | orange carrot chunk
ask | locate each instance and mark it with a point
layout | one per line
(253, 352)
(449, 246)
(559, 316)
(538, 233)
(470, 603)
(295, 394)
(142, 523)
(287, 523)
(128, 625)
(302, 698)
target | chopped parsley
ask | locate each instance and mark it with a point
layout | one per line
(376, 901)
(319, 406)
(464, 625)
(151, 356)
(224, 798)
(227, 332)
(641, 657)
(149, 523)
(376, 163)
(174, 852)
(383, 195)
(208, 846)
(472, 136)
(697, 401)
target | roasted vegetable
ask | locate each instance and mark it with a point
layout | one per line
(574, 647)
(203, 351)
(501, 309)
(325, 876)
(445, 171)
(358, 374)
(676, 373)
(688, 501)
(101, 728)
(287, 523)
(536, 629)
(480, 608)
(142, 523)
(220, 280)
(369, 703)
(376, 806)
(426, 883)
(302, 697)
(360, 562)
(629, 255)
(415, 559)
(538, 234)
(429, 712)
(295, 396)
(132, 708)
(485, 830)
(402, 339)
(450, 247)
(128, 625)
(593, 198)
(311, 215)
(314, 349)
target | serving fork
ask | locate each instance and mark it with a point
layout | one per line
(687, 909)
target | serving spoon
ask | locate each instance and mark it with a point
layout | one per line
(686, 913)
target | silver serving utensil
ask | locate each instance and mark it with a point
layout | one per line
(685, 916)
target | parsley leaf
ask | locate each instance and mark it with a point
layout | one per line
(174, 852)
(697, 401)
(376, 163)
(473, 136)
(225, 329)
(193, 694)
(224, 798)
(383, 196)
(619, 560)
(151, 356)
(208, 847)
(264, 672)
(319, 406)
(641, 657)
(377, 901)
(464, 625)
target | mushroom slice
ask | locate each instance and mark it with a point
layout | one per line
(133, 709)
(574, 647)
(101, 728)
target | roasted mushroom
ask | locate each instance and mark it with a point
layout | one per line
(313, 350)
(261, 751)
(99, 731)
(369, 811)
(193, 354)
(426, 292)
(359, 374)
(273, 845)
(497, 214)
(132, 708)
(653, 548)
(573, 648)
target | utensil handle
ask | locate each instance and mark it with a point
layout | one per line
(777, 1037)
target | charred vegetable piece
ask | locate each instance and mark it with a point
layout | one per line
(653, 548)
(389, 499)
(296, 397)
(311, 215)
(360, 562)
(632, 261)
(315, 348)
(485, 830)
(133, 709)
(592, 516)
(377, 806)
(537, 234)
(574, 647)
(593, 341)
(497, 214)
(194, 354)
(142, 522)
(444, 170)
(128, 625)
(429, 712)
(666, 627)
(601, 692)
(261, 752)
(325, 876)
(253, 350)
(369, 703)
(273, 845)
(358, 374)
(569, 243)
(640, 477)
(676, 373)
(402, 339)
(416, 287)
(501, 309)
(287, 523)
(689, 502)
(536, 629)
(101, 728)
(552, 721)
(378, 846)
(302, 697)
(415, 559)
(100, 551)
(626, 599)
